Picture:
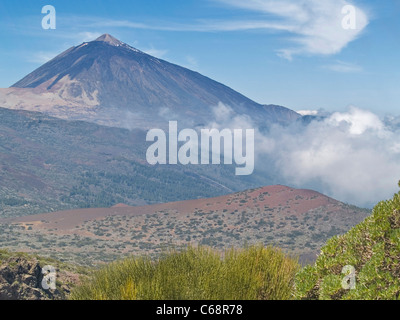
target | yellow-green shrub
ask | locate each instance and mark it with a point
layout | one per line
(372, 248)
(195, 273)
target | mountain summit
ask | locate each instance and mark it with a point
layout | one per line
(110, 82)
(109, 39)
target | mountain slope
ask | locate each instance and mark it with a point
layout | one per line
(48, 164)
(107, 81)
(299, 221)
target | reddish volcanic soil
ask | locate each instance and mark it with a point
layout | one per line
(297, 221)
(292, 201)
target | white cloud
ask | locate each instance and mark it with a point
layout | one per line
(357, 120)
(225, 117)
(87, 36)
(343, 67)
(351, 156)
(313, 26)
(191, 62)
(316, 24)
(203, 25)
(42, 57)
(308, 112)
(158, 53)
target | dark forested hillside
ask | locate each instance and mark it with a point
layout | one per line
(47, 164)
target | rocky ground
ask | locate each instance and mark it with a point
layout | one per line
(21, 278)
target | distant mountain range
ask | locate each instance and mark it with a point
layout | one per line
(109, 82)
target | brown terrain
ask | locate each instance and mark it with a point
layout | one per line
(299, 221)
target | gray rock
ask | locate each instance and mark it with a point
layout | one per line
(20, 279)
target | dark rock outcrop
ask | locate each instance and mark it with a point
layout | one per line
(21, 279)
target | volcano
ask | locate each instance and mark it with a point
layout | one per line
(109, 82)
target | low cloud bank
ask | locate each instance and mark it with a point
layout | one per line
(352, 156)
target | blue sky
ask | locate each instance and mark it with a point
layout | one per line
(291, 53)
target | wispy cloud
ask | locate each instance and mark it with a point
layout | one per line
(159, 53)
(343, 67)
(316, 25)
(191, 62)
(311, 27)
(41, 57)
(199, 25)
(87, 36)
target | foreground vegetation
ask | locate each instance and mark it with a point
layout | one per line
(362, 264)
(371, 249)
(200, 273)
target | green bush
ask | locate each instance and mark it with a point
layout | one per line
(195, 274)
(372, 248)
